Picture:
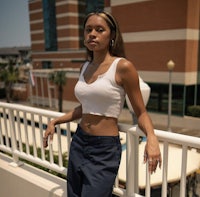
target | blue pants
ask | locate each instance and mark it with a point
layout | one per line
(93, 165)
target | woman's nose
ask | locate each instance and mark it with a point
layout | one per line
(93, 33)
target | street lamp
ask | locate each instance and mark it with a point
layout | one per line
(170, 66)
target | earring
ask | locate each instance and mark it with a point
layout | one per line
(112, 42)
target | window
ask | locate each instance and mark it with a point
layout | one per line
(198, 95)
(158, 101)
(94, 5)
(46, 64)
(49, 15)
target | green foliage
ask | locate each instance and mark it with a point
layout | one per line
(194, 110)
(58, 78)
(9, 74)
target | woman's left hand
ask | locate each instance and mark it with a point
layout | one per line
(152, 154)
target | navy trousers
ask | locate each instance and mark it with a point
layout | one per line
(93, 165)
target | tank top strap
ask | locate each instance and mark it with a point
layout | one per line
(113, 67)
(85, 65)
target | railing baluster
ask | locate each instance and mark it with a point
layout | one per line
(13, 134)
(50, 151)
(33, 135)
(60, 160)
(165, 166)
(68, 138)
(183, 171)
(1, 132)
(41, 137)
(5, 114)
(148, 180)
(19, 131)
(26, 133)
(131, 163)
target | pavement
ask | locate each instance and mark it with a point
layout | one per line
(193, 130)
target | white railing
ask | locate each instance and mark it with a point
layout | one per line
(22, 127)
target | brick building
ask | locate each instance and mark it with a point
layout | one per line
(154, 32)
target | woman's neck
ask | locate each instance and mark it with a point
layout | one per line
(99, 58)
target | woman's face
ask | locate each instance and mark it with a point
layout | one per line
(97, 34)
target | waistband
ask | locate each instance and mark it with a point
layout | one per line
(96, 139)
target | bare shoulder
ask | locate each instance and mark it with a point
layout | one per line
(125, 71)
(125, 66)
(124, 63)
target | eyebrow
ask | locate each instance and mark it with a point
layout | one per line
(96, 26)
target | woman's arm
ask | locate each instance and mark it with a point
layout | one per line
(74, 114)
(127, 77)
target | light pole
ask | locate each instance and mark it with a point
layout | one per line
(170, 66)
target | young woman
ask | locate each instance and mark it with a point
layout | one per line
(104, 80)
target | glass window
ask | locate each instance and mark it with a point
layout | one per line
(189, 98)
(158, 98)
(158, 101)
(94, 5)
(198, 95)
(178, 100)
(46, 64)
(49, 15)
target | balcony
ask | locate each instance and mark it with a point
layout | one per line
(21, 132)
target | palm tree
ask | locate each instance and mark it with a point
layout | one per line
(9, 74)
(59, 79)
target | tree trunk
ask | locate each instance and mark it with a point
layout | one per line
(8, 87)
(60, 93)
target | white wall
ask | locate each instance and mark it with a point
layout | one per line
(27, 181)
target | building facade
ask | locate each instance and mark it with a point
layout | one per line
(154, 32)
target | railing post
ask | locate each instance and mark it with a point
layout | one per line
(11, 118)
(165, 167)
(6, 127)
(183, 171)
(132, 164)
(148, 180)
(68, 138)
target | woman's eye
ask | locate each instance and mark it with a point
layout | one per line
(88, 30)
(99, 30)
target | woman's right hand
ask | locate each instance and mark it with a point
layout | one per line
(48, 134)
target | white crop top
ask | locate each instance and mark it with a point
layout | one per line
(102, 97)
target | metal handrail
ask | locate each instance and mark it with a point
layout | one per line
(18, 126)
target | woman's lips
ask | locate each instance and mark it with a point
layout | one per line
(91, 42)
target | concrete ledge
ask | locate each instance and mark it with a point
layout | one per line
(28, 181)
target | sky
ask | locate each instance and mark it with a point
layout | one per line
(14, 23)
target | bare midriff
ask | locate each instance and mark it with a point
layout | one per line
(99, 125)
